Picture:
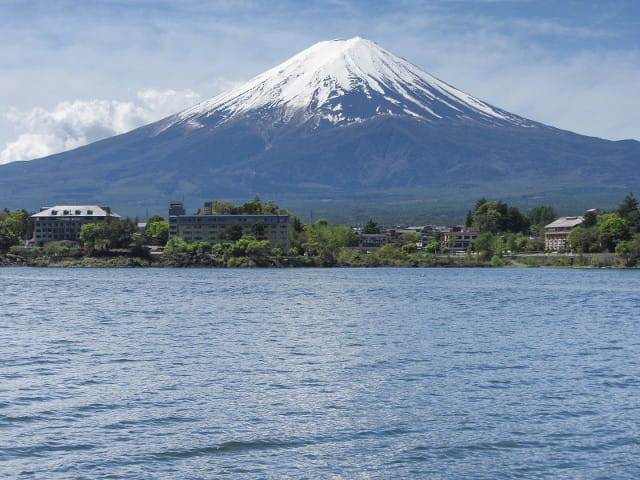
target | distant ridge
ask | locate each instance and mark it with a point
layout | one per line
(343, 126)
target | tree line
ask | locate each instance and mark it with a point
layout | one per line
(503, 229)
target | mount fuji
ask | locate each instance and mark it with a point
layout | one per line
(343, 126)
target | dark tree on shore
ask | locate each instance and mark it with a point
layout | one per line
(542, 215)
(469, 220)
(370, 227)
(233, 232)
(257, 230)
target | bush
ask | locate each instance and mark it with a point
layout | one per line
(629, 251)
(496, 261)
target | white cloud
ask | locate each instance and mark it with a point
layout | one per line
(73, 124)
(162, 103)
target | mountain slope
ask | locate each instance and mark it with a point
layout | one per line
(342, 124)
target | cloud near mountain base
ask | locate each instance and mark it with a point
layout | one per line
(70, 125)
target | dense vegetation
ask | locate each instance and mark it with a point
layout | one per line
(254, 207)
(617, 231)
(506, 237)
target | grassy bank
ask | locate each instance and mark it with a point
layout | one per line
(346, 259)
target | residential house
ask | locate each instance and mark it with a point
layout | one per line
(370, 242)
(460, 239)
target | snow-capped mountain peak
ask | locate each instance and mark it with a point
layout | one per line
(344, 81)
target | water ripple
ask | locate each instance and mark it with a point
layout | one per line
(386, 373)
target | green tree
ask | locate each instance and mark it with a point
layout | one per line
(54, 249)
(7, 238)
(297, 225)
(175, 245)
(613, 230)
(497, 217)
(327, 242)
(628, 205)
(522, 244)
(218, 207)
(18, 223)
(269, 208)
(251, 208)
(220, 249)
(239, 248)
(233, 233)
(13, 228)
(541, 216)
(514, 221)
(297, 233)
(633, 221)
(479, 203)
(350, 237)
(258, 251)
(488, 217)
(630, 212)
(91, 235)
(155, 218)
(485, 245)
(508, 242)
(109, 234)
(629, 251)
(409, 238)
(257, 230)
(584, 240)
(390, 254)
(370, 227)
(432, 247)
(468, 222)
(156, 232)
(590, 219)
(118, 232)
(409, 248)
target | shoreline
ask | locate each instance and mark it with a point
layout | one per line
(599, 261)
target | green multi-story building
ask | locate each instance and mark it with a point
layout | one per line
(217, 228)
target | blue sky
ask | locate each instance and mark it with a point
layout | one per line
(73, 72)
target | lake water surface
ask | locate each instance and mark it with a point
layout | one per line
(319, 373)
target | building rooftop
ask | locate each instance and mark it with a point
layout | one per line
(75, 211)
(469, 233)
(565, 222)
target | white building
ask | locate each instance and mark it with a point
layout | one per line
(64, 222)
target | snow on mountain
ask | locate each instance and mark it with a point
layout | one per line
(343, 81)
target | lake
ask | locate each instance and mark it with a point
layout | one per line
(319, 373)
